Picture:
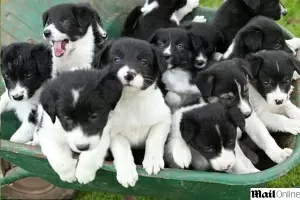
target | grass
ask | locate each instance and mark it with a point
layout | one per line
(292, 179)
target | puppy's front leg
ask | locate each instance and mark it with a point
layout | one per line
(123, 160)
(90, 161)
(4, 102)
(292, 111)
(276, 122)
(153, 160)
(260, 135)
(24, 133)
(55, 147)
(242, 164)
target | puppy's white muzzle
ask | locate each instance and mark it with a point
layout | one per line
(224, 161)
(277, 97)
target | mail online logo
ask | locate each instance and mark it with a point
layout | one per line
(275, 193)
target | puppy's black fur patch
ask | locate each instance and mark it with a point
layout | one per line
(142, 27)
(29, 65)
(98, 93)
(234, 14)
(272, 69)
(198, 128)
(221, 80)
(260, 33)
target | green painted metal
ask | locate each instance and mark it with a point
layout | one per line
(21, 21)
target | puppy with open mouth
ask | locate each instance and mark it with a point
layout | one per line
(141, 119)
(273, 72)
(72, 118)
(74, 31)
(25, 69)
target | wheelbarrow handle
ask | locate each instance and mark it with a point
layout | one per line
(17, 173)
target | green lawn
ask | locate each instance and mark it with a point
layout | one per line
(292, 23)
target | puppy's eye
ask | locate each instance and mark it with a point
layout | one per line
(286, 82)
(160, 44)
(117, 60)
(48, 21)
(94, 116)
(27, 76)
(230, 142)
(144, 62)
(267, 83)
(65, 23)
(208, 149)
(278, 46)
(210, 48)
(180, 46)
(6, 76)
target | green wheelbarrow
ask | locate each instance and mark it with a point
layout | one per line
(20, 21)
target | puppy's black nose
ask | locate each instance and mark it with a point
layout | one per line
(83, 147)
(18, 97)
(278, 101)
(130, 76)
(200, 62)
(104, 35)
(168, 57)
(285, 12)
(47, 33)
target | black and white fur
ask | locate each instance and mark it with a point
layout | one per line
(234, 14)
(73, 116)
(141, 117)
(260, 33)
(75, 31)
(270, 94)
(144, 20)
(205, 39)
(178, 50)
(25, 69)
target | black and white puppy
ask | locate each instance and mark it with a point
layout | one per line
(144, 20)
(273, 71)
(74, 112)
(234, 14)
(205, 39)
(210, 131)
(141, 118)
(261, 33)
(74, 31)
(177, 48)
(25, 69)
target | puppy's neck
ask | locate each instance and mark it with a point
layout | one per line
(80, 55)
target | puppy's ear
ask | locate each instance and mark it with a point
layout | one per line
(111, 87)
(188, 128)
(253, 40)
(160, 60)
(255, 63)
(84, 14)
(152, 38)
(48, 101)
(43, 57)
(131, 21)
(205, 82)
(245, 67)
(195, 41)
(101, 58)
(45, 17)
(253, 4)
(237, 118)
(2, 50)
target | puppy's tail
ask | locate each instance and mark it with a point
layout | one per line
(131, 21)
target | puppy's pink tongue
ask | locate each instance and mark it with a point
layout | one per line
(59, 48)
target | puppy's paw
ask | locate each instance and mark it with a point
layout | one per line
(153, 163)
(279, 155)
(193, 3)
(22, 136)
(200, 19)
(85, 175)
(173, 100)
(181, 153)
(293, 126)
(65, 169)
(127, 175)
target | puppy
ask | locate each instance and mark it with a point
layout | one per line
(178, 50)
(25, 69)
(205, 39)
(141, 118)
(234, 14)
(273, 72)
(143, 21)
(260, 33)
(74, 112)
(210, 131)
(74, 31)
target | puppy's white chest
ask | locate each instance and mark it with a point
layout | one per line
(22, 109)
(176, 78)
